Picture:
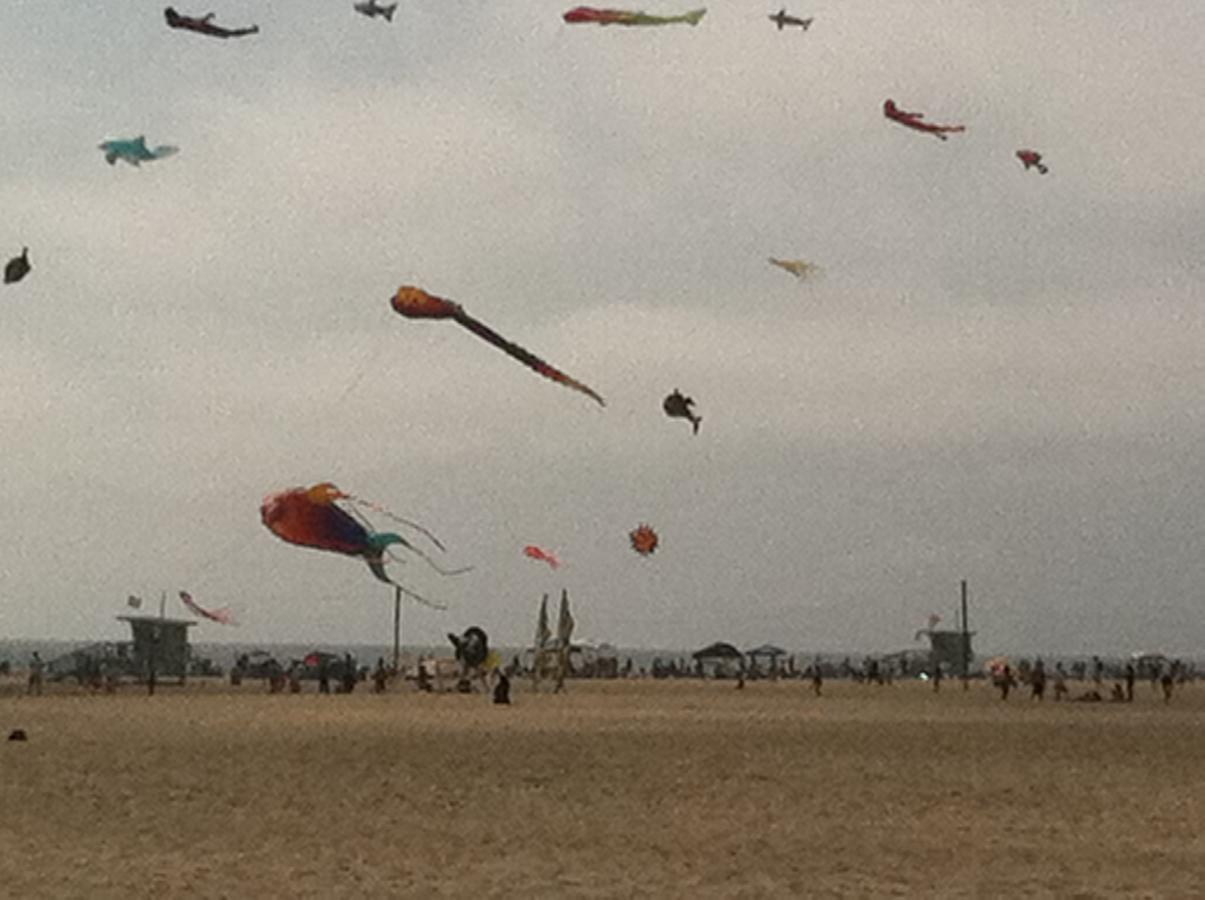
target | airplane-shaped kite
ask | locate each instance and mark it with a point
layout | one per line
(797, 267)
(134, 150)
(783, 20)
(372, 9)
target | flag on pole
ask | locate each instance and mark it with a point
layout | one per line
(134, 602)
(564, 623)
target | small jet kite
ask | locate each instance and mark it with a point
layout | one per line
(644, 540)
(204, 25)
(783, 20)
(372, 9)
(678, 406)
(135, 151)
(18, 267)
(311, 517)
(797, 267)
(588, 14)
(533, 552)
(913, 120)
(415, 303)
(223, 615)
(1031, 158)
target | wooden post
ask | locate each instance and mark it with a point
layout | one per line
(966, 642)
(397, 629)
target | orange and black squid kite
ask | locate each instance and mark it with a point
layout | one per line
(415, 303)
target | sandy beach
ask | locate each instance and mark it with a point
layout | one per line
(648, 788)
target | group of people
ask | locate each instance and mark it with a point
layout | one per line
(1163, 678)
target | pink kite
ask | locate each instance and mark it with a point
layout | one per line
(913, 120)
(534, 552)
(224, 615)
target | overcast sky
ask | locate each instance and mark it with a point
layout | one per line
(998, 375)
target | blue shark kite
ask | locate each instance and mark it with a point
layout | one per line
(135, 151)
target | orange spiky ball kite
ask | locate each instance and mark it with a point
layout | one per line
(644, 540)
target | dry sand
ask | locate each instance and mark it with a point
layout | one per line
(611, 790)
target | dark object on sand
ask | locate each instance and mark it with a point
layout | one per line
(18, 734)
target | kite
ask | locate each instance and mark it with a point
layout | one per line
(204, 25)
(534, 552)
(913, 121)
(18, 267)
(783, 19)
(135, 151)
(415, 303)
(644, 540)
(797, 267)
(678, 406)
(372, 9)
(223, 615)
(588, 14)
(313, 517)
(1031, 158)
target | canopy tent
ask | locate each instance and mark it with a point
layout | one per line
(721, 658)
(718, 650)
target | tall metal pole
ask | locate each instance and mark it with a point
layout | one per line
(397, 628)
(966, 642)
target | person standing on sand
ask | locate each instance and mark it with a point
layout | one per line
(936, 677)
(1130, 676)
(1060, 682)
(817, 678)
(1037, 679)
(1005, 681)
(379, 676)
(36, 668)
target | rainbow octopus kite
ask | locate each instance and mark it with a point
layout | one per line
(312, 517)
(588, 14)
(415, 303)
(913, 120)
(135, 151)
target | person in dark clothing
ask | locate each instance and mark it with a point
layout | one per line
(1130, 676)
(502, 689)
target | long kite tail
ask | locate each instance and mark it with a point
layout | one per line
(377, 565)
(528, 359)
(376, 507)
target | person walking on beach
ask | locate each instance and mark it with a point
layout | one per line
(379, 676)
(1130, 676)
(817, 678)
(936, 677)
(36, 668)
